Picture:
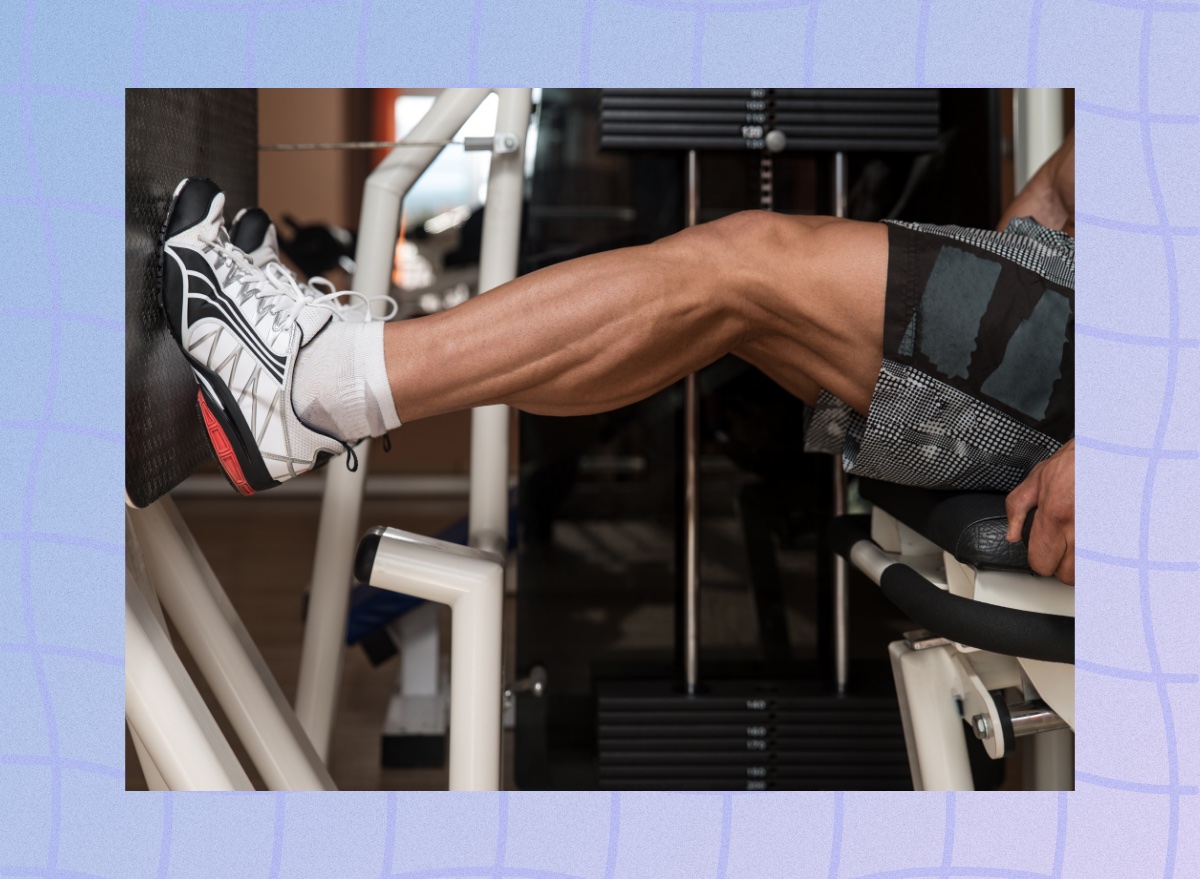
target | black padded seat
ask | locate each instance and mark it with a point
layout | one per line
(970, 525)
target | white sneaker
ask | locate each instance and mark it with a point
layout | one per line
(241, 330)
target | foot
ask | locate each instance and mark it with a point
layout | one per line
(254, 233)
(242, 332)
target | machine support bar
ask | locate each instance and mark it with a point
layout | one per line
(488, 505)
(471, 582)
(338, 531)
(225, 653)
(178, 741)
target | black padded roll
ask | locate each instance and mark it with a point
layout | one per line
(968, 524)
(987, 626)
(171, 134)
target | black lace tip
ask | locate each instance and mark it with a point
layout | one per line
(387, 442)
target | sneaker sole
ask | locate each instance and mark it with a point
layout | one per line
(222, 446)
(222, 436)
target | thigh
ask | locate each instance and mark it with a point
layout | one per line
(817, 307)
(977, 380)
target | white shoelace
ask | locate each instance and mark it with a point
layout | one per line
(261, 286)
(322, 291)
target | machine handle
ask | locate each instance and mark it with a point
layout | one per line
(1006, 630)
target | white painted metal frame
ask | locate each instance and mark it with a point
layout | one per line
(341, 507)
(224, 652)
(471, 582)
(321, 655)
(177, 739)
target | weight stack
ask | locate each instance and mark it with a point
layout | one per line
(748, 735)
(797, 120)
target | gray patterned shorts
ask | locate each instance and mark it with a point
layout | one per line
(978, 377)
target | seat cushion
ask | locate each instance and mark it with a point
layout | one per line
(969, 525)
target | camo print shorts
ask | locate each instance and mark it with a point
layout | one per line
(978, 376)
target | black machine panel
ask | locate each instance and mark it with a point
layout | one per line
(599, 600)
(796, 120)
(171, 134)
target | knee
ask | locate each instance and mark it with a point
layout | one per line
(733, 250)
(746, 232)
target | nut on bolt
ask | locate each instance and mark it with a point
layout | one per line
(982, 726)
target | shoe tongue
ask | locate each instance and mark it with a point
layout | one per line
(254, 234)
(268, 250)
(215, 219)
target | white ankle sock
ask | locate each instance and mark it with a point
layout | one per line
(341, 384)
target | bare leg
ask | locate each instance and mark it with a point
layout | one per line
(802, 298)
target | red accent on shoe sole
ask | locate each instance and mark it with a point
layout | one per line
(224, 448)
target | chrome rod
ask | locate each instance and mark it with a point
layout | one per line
(691, 486)
(841, 573)
(1030, 718)
(356, 145)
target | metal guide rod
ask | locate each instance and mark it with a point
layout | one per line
(841, 656)
(691, 497)
(355, 145)
(502, 142)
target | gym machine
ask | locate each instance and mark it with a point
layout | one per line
(178, 741)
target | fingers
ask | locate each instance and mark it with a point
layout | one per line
(1048, 548)
(1066, 569)
(1019, 502)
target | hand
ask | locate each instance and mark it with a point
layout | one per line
(1050, 486)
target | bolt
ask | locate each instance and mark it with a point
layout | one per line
(983, 726)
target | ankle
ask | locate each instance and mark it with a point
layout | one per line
(340, 384)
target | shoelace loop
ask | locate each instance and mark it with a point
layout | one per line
(321, 291)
